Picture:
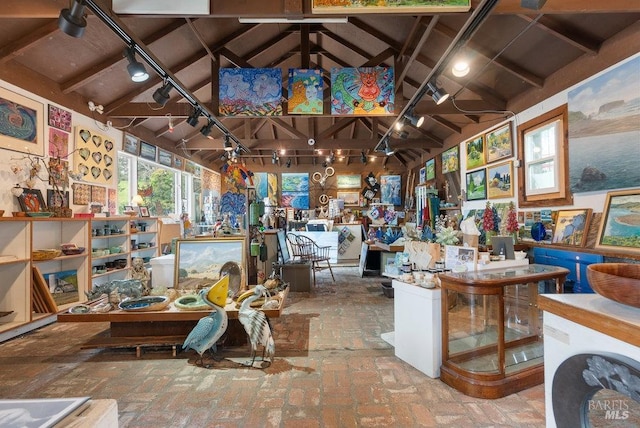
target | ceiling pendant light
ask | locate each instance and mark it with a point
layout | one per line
(161, 95)
(439, 95)
(135, 68)
(72, 21)
(227, 144)
(193, 119)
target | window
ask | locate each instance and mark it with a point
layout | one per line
(543, 151)
(156, 185)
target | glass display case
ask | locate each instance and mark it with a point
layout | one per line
(492, 329)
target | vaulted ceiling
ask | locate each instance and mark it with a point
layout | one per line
(515, 52)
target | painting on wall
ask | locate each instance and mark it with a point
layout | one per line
(250, 92)
(351, 181)
(571, 227)
(131, 144)
(178, 162)
(603, 112)
(165, 158)
(391, 189)
(499, 144)
(451, 160)
(99, 195)
(81, 193)
(475, 152)
(477, 185)
(21, 123)
(94, 156)
(112, 200)
(59, 118)
(58, 144)
(295, 190)
(305, 91)
(430, 166)
(362, 91)
(349, 198)
(266, 184)
(499, 181)
(390, 6)
(620, 224)
(147, 151)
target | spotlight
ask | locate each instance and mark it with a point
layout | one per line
(274, 158)
(193, 119)
(72, 21)
(387, 148)
(363, 158)
(206, 129)
(416, 121)
(439, 95)
(288, 164)
(460, 68)
(227, 143)
(136, 69)
(161, 95)
(399, 124)
(237, 151)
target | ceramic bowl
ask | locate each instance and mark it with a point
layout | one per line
(616, 281)
(520, 255)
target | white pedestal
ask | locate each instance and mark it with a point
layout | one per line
(418, 327)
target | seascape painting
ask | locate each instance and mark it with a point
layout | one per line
(620, 225)
(305, 91)
(250, 92)
(295, 190)
(390, 188)
(604, 130)
(362, 91)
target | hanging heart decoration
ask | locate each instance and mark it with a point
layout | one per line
(97, 140)
(95, 171)
(107, 174)
(108, 145)
(108, 160)
(85, 135)
(97, 157)
(84, 153)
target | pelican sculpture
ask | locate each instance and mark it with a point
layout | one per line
(256, 324)
(210, 328)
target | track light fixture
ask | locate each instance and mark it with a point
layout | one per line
(416, 121)
(439, 95)
(227, 144)
(72, 21)
(161, 95)
(193, 119)
(206, 129)
(363, 157)
(387, 148)
(288, 164)
(274, 158)
(135, 68)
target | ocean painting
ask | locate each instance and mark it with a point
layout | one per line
(604, 130)
(295, 190)
(390, 187)
(621, 221)
(266, 184)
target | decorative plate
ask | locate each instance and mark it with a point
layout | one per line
(144, 304)
(538, 232)
(191, 302)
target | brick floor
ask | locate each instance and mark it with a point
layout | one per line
(331, 370)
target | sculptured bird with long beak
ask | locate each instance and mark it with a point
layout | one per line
(256, 324)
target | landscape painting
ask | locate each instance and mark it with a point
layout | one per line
(430, 166)
(199, 261)
(295, 190)
(499, 183)
(604, 130)
(390, 6)
(499, 144)
(620, 224)
(250, 92)
(477, 185)
(475, 152)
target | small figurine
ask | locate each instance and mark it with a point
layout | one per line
(139, 272)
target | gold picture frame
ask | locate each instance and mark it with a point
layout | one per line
(343, 7)
(619, 228)
(571, 227)
(29, 136)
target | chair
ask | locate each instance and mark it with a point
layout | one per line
(314, 254)
(296, 250)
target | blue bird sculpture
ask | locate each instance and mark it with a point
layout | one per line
(210, 328)
(256, 324)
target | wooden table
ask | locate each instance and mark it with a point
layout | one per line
(129, 329)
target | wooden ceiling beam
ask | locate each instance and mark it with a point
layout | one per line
(18, 47)
(572, 36)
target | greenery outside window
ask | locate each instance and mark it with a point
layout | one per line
(543, 178)
(157, 186)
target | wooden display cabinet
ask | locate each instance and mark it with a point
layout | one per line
(492, 329)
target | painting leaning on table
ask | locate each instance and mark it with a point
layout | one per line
(620, 226)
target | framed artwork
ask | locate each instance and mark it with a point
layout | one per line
(94, 156)
(305, 91)
(295, 190)
(349, 198)
(477, 185)
(419, 6)
(620, 224)
(475, 152)
(128, 208)
(31, 201)
(460, 259)
(99, 194)
(423, 175)
(571, 227)
(499, 180)
(57, 198)
(264, 99)
(81, 193)
(58, 144)
(451, 160)
(131, 144)
(430, 166)
(147, 151)
(199, 261)
(59, 118)
(391, 189)
(499, 144)
(178, 162)
(112, 200)
(352, 181)
(350, 93)
(144, 211)
(28, 135)
(58, 172)
(165, 158)
(63, 286)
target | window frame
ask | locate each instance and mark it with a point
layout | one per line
(563, 195)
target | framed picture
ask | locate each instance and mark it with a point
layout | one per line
(94, 156)
(499, 180)
(165, 158)
(477, 185)
(57, 199)
(27, 136)
(620, 225)
(178, 162)
(571, 227)
(418, 6)
(99, 195)
(144, 211)
(81, 193)
(349, 198)
(430, 165)
(499, 144)
(63, 286)
(475, 152)
(349, 181)
(460, 259)
(58, 144)
(423, 175)
(131, 144)
(451, 160)
(59, 118)
(199, 261)
(390, 189)
(128, 208)
(147, 151)
(31, 201)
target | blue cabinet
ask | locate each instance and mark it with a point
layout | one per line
(575, 261)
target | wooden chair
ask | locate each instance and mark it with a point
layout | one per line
(314, 254)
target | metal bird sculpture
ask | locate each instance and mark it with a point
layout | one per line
(256, 324)
(210, 328)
